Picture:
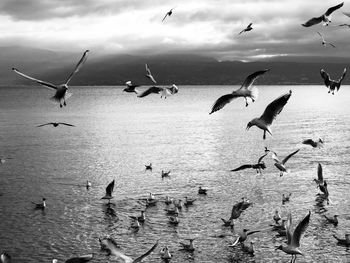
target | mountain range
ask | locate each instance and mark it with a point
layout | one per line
(181, 69)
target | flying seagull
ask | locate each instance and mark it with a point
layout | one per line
(325, 18)
(169, 13)
(115, 251)
(348, 25)
(270, 113)
(248, 28)
(61, 93)
(313, 143)
(293, 242)
(109, 191)
(258, 167)
(330, 83)
(244, 91)
(55, 124)
(149, 74)
(319, 181)
(281, 164)
(324, 42)
(164, 92)
(130, 88)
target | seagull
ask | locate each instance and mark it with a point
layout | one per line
(165, 254)
(80, 259)
(174, 220)
(164, 92)
(277, 217)
(330, 83)
(244, 91)
(148, 167)
(281, 164)
(324, 188)
(258, 167)
(324, 42)
(331, 220)
(293, 242)
(141, 218)
(165, 174)
(109, 191)
(189, 201)
(270, 113)
(188, 247)
(61, 93)
(344, 242)
(88, 184)
(5, 258)
(285, 198)
(169, 13)
(313, 143)
(325, 18)
(115, 251)
(242, 236)
(55, 124)
(130, 88)
(42, 205)
(202, 191)
(149, 74)
(248, 28)
(319, 181)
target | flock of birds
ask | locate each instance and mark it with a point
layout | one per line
(283, 226)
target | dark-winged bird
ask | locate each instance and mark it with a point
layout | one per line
(258, 166)
(109, 192)
(55, 124)
(330, 83)
(248, 28)
(313, 143)
(130, 88)
(169, 13)
(325, 18)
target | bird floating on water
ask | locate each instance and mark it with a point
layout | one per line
(281, 164)
(333, 220)
(202, 191)
(314, 143)
(55, 124)
(258, 166)
(325, 18)
(188, 247)
(61, 93)
(130, 88)
(330, 83)
(324, 42)
(88, 184)
(174, 220)
(189, 201)
(293, 243)
(343, 242)
(244, 91)
(248, 28)
(41, 205)
(286, 198)
(169, 13)
(141, 218)
(264, 122)
(277, 217)
(109, 192)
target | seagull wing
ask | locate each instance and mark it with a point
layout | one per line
(250, 25)
(325, 77)
(320, 36)
(148, 70)
(84, 258)
(165, 16)
(78, 66)
(67, 124)
(245, 166)
(252, 77)
(110, 188)
(274, 108)
(288, 226)
(290, 155)
(347, 14)
(309, 142)
(300, 230)
(275, 157)
(342, 76)
(46, 84)
(222, 101)
(320, 173)
(262, 157)
(242, 31)
(333, 8)
(49, 123)
(313, 21)
(152, 78)
(150, 90)
(331, 44)
(252, 232)
(140, 258)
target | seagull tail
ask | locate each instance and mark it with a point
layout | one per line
(254, 93)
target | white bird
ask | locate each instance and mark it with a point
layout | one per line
(264, 122)
(88, 184)
(325, 18)
(109, 191)
(248, 28)
(244, 91)
(61, 93)
(330, 83)
(281, 164)
(149, 74)
(324, 42)
(130, 88)
(169, 13)
(110, 245)
(293, 242)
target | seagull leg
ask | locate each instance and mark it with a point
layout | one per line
(64, 102)
(246, 102)
(264, 136)
(60, 105)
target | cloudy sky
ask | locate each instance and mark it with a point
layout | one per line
(207, 27)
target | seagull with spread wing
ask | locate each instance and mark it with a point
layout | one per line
(169, 13)
(244, 91)
(115, 250)
(164, 92)
(330, 83)
(325, 18)
(281, 164)
(324, 42)
(248, 28)
(319, 181)
(61, 93)
(130, 88)
(264, 122)
(55, 124)
(109, 191)
(242, 236)
(149, 74)
(258, 167)
(293, 243)
(314, 143)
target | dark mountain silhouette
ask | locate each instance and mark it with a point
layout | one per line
(182, 69)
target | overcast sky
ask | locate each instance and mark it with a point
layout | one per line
(208, 27)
